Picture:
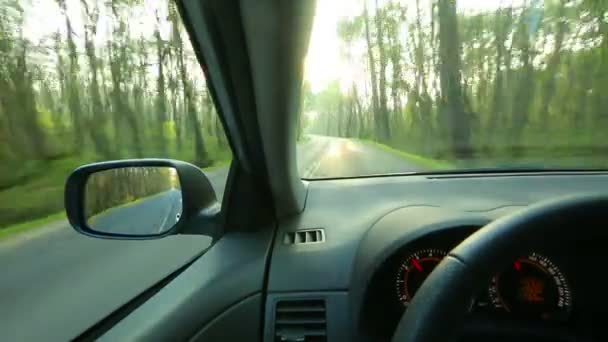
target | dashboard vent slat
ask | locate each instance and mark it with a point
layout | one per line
(287, 321)
(300, 320)
(302, 309)
(304, 236)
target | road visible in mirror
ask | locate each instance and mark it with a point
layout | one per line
(133, 200)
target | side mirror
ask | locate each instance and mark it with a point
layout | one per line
(138, 199)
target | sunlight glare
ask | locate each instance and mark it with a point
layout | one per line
(335, 151)
(324, 62)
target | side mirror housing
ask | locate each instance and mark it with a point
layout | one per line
(139, 199)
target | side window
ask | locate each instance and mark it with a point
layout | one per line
(91, 80)
(84, 81)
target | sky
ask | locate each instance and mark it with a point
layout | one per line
(324, 62)
(44, 17)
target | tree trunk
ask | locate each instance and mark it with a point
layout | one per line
(373, 75)
(59, 120)
(524, 92)
(97, 123)
(26, 104)
(121, 108)
(497, 110)
(161, 104)
(73, 85)
(397, 80)
(385, 133)
(452, 105)
(177, 119)
(549, 85)
(201, 157)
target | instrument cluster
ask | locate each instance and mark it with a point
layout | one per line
(532, 286)
(552, 286)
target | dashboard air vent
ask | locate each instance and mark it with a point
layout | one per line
(304, 236)
(300, 320)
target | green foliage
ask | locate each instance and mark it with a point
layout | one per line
(350, 29)
(38, 192)
(98, 87)
(509, 85)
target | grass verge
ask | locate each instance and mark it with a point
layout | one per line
(217, 165)
(30, 225)
(40, 196)
(40, 200)
(430, 163)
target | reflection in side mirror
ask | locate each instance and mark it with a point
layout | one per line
(138, 200)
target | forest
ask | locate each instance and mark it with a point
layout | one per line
(118, 187)
(506, 83)
(91, 80)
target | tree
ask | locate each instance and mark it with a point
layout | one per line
(451, 106)
(18, 100)
(502, 27)
(394, 15)
(161, 98)
(117, 55)
(72, 84)
(200, 152)
(549, 85)
(523, 96)
(98, 120)
(383, 124)
(373, 75)
(102, 83)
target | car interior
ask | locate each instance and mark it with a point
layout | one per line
(487, 255)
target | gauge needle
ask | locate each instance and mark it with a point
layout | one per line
(416, 264)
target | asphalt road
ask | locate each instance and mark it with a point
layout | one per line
(340, 157)
(55, 283)
(155, 214)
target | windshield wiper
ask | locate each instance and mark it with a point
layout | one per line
(505, 169)
(471, 171)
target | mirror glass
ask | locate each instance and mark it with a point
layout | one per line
(133, 200)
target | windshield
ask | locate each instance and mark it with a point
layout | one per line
(399, 86)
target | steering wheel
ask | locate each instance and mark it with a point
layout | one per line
(441, 304)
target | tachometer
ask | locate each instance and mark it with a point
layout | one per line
(414, 270)
(532, 286)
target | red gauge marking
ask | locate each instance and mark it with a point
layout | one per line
(416, 264)
(517, 265)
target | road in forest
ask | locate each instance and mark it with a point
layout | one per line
(55, 283)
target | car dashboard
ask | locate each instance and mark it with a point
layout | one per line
(550, 292)
(382, 236)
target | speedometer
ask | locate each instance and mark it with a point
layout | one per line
(532, 286)
(414, 270)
